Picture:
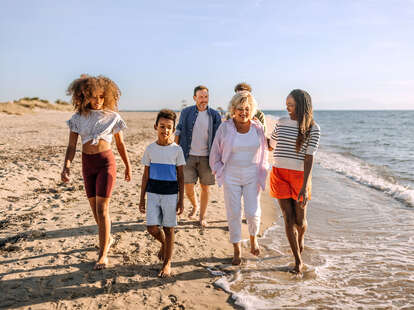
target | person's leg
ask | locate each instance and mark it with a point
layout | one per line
(288, 210)
(104, 227)
(190, 179)
(203, 203)
(92, 203)
(169, 247)
(252, 211)
(232, 201)
(206, 179)
(154, 221)
(159, 235)
(301, 223)
(190, 193)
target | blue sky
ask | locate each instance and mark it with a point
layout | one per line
(346, 54)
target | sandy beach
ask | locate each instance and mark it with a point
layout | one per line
(48, 238)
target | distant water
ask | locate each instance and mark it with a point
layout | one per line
(359, 248)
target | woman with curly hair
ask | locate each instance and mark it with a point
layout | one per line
(295, 141)
(96, 121)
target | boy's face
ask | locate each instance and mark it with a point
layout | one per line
(165, 129)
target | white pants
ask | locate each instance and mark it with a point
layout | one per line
(234, 188)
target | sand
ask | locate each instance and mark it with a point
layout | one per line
(48, 238)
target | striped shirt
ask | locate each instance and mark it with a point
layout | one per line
(162, 161)
(283, 140)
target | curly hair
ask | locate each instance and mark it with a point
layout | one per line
(87, 86)
(240, 98)
(166, 113)
(304, 115)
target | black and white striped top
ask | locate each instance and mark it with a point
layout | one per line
(283, 140)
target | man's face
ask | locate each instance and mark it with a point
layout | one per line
(201, 99)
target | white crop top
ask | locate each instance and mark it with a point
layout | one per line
(96, 125)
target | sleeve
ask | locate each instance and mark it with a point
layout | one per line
(180, 157)
(216, 152)
(180, 123)
(119, 125)
(73, 123)
(313, 143)
(146, 160)
(273, 137)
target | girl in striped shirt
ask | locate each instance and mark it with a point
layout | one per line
(295, 141)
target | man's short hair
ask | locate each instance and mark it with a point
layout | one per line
(199, 87)
(166, 113)
(242, 86)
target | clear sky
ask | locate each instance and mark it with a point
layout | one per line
(346, 54)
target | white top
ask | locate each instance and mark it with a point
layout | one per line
(199, 141)
(283, 140)
(96, 125)
(171, 154)
(245, 146)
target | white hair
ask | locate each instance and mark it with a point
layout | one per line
(241, 97)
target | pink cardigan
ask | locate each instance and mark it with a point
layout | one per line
(223, 144)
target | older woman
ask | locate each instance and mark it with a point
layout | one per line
(238, 159)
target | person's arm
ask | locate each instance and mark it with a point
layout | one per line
(179, 127)
(120, 145)
(144, 183)
(216, 152)
(70, 154)
(307, 172)
(180, 179)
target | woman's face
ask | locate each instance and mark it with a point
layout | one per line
(291, 107)
(96, 100)
(242, 113)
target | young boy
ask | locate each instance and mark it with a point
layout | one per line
(163, 181)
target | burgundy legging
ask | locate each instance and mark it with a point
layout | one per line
(99, 173)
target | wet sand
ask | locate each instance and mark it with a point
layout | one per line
(48, 238)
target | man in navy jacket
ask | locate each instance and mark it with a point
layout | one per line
(195, 133)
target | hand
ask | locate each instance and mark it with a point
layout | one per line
(142, 206)
(127, 174)
(304, 194)
(64, 176)
(180, 207)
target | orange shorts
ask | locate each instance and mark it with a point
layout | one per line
(286, 183)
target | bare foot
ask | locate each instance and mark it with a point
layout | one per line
(160, 254)
(298, 268)
(192, 213)
(102, 263)
(254, 248)
(203, 223)
(165, 272)
(236, 261)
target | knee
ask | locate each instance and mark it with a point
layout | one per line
(302, 223)
(102, 211)
(204, 188)
(153, 230)
(168, 231)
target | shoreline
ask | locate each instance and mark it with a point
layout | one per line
(48, 235)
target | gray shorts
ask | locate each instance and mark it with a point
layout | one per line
(162, 210)
(197, 167)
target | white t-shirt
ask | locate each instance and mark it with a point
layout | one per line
(199, 141)
(243, 152)
(162, 161)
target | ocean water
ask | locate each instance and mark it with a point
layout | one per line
(359, 247)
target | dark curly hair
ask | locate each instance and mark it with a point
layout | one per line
(304, 115)
(87, 86)
(166, 113)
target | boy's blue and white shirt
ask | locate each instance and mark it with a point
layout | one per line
(162, 161)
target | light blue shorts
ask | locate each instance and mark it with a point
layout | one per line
(161, 210)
